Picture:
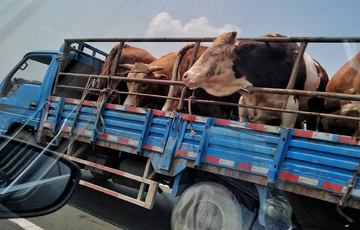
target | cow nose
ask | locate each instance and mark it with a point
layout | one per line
(184, 77)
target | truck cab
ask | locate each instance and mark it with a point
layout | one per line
(23, 92)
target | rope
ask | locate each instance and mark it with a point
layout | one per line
(342, 203)
(72, 139)
(192, 97)
(85, 93)
(104, 95)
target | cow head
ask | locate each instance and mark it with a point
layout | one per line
(214, 69)
(142, 71)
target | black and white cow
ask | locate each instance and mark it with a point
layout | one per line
(230, 64)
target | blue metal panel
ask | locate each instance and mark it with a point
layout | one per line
(280, 153)
(145, 131)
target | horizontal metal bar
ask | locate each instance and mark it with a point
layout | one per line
(251, 89)
(210, 39)
(230, 104)
(162, 82)
(341, 96)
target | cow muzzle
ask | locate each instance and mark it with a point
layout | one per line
(191, 84)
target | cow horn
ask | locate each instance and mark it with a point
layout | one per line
(155, 68)
(126, 66)
(230, 37)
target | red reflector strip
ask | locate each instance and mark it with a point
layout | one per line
(220, 161)
(195, 118)
(131, 109)
(116, 107)
(152, 147)
(244, 166)
(303, 133)
(289, 176)
(222, 122)
(48, 107)
(70, 101)
(300, 179)
(83, 131)
(123, 140)
(212, 159)
(63, 127)
(255, 126)
(186, 153)
(110, 106)
(158, 113)
(109, 137)
(253, 168)
(334, 187)
(128, 141)
(54, 98)
(87, 103)
(348, 140)
(135, 109)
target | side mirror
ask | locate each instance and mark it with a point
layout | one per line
(33, 181)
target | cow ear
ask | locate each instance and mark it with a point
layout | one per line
(155, 68)
(161, 76)
(126, 66)
(230, 37)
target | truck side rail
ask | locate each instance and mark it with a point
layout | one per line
(294, 160)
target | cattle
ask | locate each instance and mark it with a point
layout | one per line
(346, 81)
(231, 65)
(160, 69)
(129, 55)
(183, 63)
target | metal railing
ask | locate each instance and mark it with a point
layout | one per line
(288, 91)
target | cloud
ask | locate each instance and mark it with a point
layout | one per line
(162, 25)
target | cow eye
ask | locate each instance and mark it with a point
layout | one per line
(144, 85)
(213, 54)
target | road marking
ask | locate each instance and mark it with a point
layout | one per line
(25, 224)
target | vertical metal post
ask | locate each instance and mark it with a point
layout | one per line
(63, 58)
(186, 89)
(295, 70)
(193, 58)
(115, 66)
(296, 67)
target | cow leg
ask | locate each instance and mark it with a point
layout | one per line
(243, 114)
(288, 120)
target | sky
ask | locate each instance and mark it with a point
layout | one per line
(28, 25)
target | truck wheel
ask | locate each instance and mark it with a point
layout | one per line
(26, 136)
(209, 206)
(99, 176)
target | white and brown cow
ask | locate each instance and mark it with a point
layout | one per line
(181, 66)
(160, 69)
(129, 55)
(230, 64)
(347, 81)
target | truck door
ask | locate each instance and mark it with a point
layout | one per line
(21, 91)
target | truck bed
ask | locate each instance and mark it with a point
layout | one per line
(314, 164)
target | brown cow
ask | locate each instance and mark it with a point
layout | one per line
(183, 62)
(159, 69)
(346, 80)
(129, 55)
(230, 65)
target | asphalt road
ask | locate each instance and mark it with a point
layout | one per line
(89, 209)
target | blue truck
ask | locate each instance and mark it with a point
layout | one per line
(228, 174)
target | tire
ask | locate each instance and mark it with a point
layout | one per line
(26, 136)
(208, 206)
(99, 176)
